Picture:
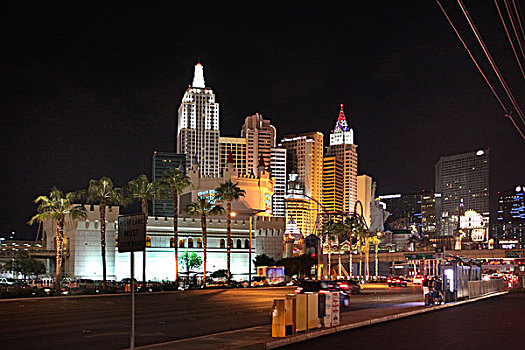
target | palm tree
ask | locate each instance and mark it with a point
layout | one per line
(175, 180)
(229, 192)
(203, 207)
(143, 190)
(376, 239)
(58, 207)
(332, 231)
(361, 239)
(102, 192)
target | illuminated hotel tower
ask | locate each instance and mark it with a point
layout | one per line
(260, 138)
(304, 163)
(342, 146)
(198, 127)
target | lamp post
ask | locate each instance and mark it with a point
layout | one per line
(251, 214)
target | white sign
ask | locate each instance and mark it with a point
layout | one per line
(335, 308)
(131, 233)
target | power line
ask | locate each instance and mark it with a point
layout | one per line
(514, 26)
(510, 39)
(474, 60)
(492, 63)
(518, 16)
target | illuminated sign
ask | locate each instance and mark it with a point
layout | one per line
(389, 196)
(267, 201)
(472, 220)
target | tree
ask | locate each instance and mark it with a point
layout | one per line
(229, 192)
(376, 239)
(332, 231)
(203, 207)
(102, 192)
(190, 260)
(143, 190)
(58, 207)
(176, 181)
(263, 260)
(297, 265)
(25, 265)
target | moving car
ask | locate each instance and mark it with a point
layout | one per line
(396, 282)
(324, 286)
(349, 286)
(418, 279)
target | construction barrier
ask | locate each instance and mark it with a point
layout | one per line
(479, 288)
(303, 312)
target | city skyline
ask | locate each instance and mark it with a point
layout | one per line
(83, 104)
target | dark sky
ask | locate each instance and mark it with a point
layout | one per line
(93, 91)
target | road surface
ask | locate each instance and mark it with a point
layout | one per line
(103, 322)
(494, 323)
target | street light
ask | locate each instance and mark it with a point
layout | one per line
(251, 213)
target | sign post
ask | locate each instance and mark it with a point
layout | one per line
(132, 238)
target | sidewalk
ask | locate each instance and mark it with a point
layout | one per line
(260, 337)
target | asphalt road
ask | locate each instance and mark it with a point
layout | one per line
(495, 323)
(103, 322)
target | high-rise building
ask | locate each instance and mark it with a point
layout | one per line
(364, 195)
(333, 185)
(462, 184)
(163, 161)
(509, 228)
(342, 146)
(237, 147)
(278, 171)
(415, 212)
(198, 126)
(260, 138)
(304, 168)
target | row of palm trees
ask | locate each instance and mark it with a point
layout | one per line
(335, 231)
(59, 206)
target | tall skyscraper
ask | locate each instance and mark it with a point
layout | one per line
(509, 227)
(304, 168)
(260, 138)
(333, 185)
(364, 195)
(237, 147)
(278, 172)
(342, 146)
(462, 184)
(198, 126)
(163, 161)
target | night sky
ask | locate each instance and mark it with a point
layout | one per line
(90, 92)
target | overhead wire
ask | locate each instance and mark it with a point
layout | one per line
(510, 39)
(493, 64)
(473, 59)
(518, 16)
(509, 12)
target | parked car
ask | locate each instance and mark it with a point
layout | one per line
(396, 282)
(349, 286)
(324, 286)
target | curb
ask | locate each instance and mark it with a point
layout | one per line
(307, 336)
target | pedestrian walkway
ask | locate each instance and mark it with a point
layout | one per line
(260, 337)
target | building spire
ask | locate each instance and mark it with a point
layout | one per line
(341, 121)
(198, 76)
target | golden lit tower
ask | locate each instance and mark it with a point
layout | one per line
(304, 168)
(342, 146)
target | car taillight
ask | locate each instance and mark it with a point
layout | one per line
(298, 290)
(343, 285)
(389, 280)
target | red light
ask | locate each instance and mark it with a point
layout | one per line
(343, 285)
